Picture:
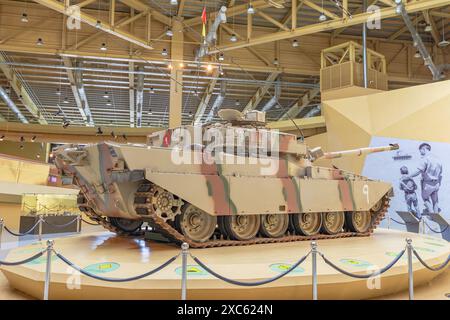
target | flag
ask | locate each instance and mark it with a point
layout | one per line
(204, 22)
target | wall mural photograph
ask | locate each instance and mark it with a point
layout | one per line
(417, 172)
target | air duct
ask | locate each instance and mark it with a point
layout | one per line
(12, 105)
(211, 37)
(418, 43)
(218, 102)
(274, 99)
(313, 112)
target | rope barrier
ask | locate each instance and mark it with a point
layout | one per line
(250, 284)
(17, 263)
(90, 223)
(402, 223)
(442, 266)
(363, 276)
(24, 233)
(91, 275)
(61, 225)
(435, 231)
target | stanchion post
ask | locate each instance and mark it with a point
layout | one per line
(388, 220)
(40, 227)
(1, 229)
(48, 268)
(79, 223)
(314, 269)
(184, 256)
(410, 269)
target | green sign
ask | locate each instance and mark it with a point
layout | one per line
(283, 267)
(192, 270)
(356, 262)
(102, 267)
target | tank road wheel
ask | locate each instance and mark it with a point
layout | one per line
(166, 205)
(333, 222)
(126, 225)
(307, 223)
(358, 221)
(274, 225)
(240, 227)
(195, 223)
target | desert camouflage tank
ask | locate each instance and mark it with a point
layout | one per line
(228, 183)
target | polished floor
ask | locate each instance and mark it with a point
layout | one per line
(112, 256)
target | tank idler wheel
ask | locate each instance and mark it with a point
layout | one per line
(358, 221)
(126, 225)
(240, 227)
(307, 223)
(195, 223)
(274, 225)
(333, 222)
(377, 206)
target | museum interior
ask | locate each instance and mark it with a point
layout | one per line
(221, 149)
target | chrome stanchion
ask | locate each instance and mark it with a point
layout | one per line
(79, 223)
(184, 256)
(1, 230)
(410, 269)
(314, 269)
(388, 220)
(48, 268)
(41, 220)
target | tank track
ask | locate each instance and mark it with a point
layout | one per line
(169, 232)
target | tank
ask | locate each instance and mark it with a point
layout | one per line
(233, 182)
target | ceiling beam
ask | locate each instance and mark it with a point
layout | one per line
(92, 21)
(429, 20)
(302, 123)
(329, 25)
(79, 93)
(271, 20)
(17, 83)
(180, 8)
(201, 108)
(301, 104)
(401, 31)
(260, 92)
(140, 6)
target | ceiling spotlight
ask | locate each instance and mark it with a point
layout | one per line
(39, 42)
(58, 91)
(99, 131)
(417, 54)
(65, 123)
(322, 17)
(24, 17)
(443, 43)
(169, 66)
(152, 90)
(106, 95)
(164, 52)
(250, 9)
(276, 62)
(295, 43)
(103, 47)
(33, 138)
(98, 24)
(169, 33)
(2, 137)
(108, 103)
(181, 65)
(233, 38)
(174, 2)
(221, 57)
(66, 100)
(428, 28)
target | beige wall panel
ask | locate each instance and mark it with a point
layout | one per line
(10, 212)
(352, 91)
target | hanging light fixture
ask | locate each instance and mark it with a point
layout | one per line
(2, 137)
(250, 9)
(443, 43)
(190, 114)
(169, 33)
(152, 90)
(295, 43)
(106, 95)
(221, 70)
(113, 135)
(66, 100)
(174, 2)
(237, 103)
(322, 17)
(164, 52)
(39, 42)
(233, 38)
(221, 57)
(58, 91)
(150, 112)
(33, 138)
(103, 47)
(276, 62)
(98, 24)
(108, 103)
(428, 28)
(417, 54)
(99, 131)
(65, 123)
(209, 67)
(24, 17)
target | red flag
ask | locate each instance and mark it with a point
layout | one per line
(204, 22)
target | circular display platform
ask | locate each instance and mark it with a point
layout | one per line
(107, 255)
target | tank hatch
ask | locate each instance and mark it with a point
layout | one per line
(235, 117)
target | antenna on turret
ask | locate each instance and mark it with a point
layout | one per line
(298, 128)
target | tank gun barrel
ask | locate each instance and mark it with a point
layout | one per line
(358, 152)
